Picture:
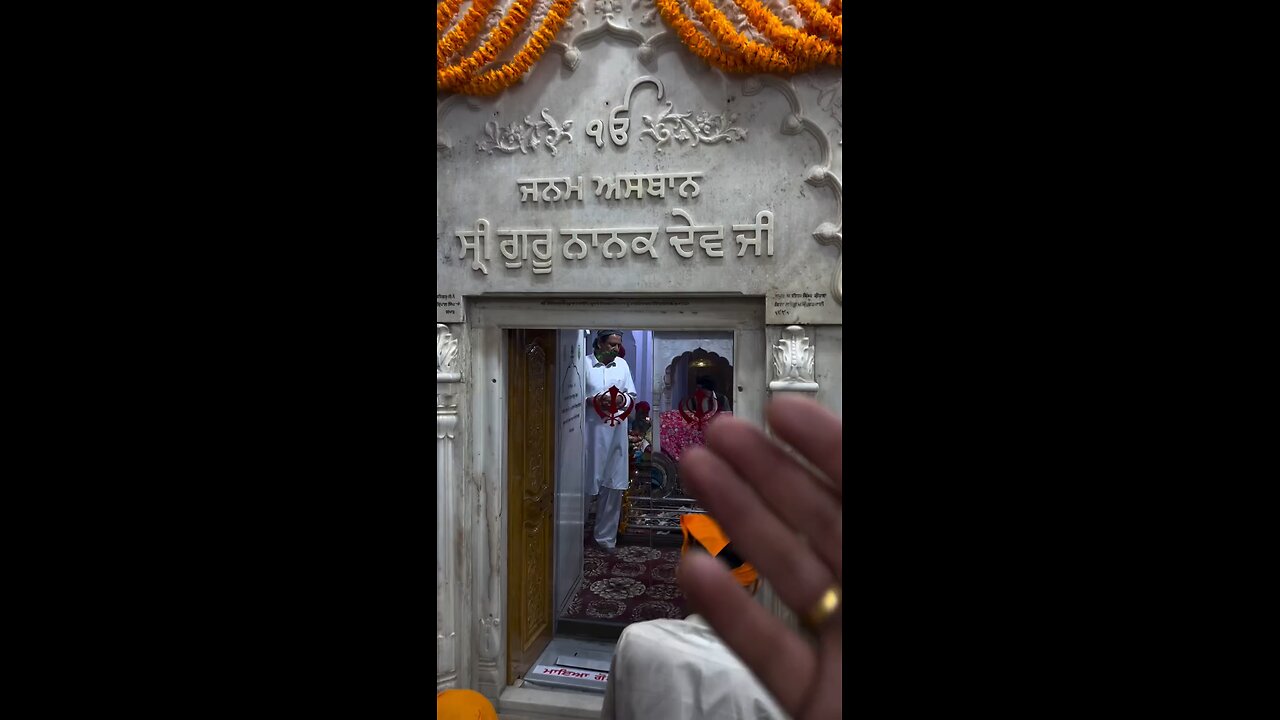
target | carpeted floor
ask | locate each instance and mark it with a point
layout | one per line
(637, 583)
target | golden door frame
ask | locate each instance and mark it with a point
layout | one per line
(531, 411)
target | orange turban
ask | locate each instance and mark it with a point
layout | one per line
(707, 533)
(464, 705)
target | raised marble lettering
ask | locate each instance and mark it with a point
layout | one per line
(608, 185)
(619, 122)
(581, 250)
(479, 245)
(624, 187)
(551, 191)
(520, 245)
(682, 237)
(595, 129)
(761, 229)
(516, 249)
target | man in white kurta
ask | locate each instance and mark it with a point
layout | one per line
(606, 444)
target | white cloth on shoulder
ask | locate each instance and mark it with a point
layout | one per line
(682, 670)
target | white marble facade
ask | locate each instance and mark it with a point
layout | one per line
(765, 154)
(636, 166)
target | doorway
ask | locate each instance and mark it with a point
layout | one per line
(675, 376)
(594, 491)
(505, 655)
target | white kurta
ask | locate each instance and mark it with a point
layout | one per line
(607, 453)
(681, 670)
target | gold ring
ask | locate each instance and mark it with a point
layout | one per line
(824, 608)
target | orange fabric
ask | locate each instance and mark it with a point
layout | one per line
(744, 574)
(705, 530)
(464, 705)
(709, 535)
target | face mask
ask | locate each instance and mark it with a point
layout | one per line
(606, 356)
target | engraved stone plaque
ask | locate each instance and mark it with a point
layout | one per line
(622, 163)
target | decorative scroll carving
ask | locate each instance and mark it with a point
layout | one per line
(793, 357)
(831, 99)
(443, 141)
(554, 130)
(608, 27)
(650, 47)
(532, 135)
(829, 233)
(708, 128)
(507, 139)
(446, 354)
(819, 175)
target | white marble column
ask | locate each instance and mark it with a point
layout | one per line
(448, 510)
(485, 501)
(791, 370)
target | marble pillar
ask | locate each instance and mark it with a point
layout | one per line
(448, 505)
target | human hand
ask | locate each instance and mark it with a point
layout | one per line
(788, 523)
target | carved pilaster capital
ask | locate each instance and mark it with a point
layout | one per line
(793, 358)
(447, 370)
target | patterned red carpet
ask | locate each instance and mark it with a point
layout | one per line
(637, 583)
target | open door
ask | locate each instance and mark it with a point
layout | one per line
(570, 505)
(531, 433)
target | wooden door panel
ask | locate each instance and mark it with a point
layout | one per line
(530, 491)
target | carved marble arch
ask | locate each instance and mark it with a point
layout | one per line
(638, 21)
(685, 369)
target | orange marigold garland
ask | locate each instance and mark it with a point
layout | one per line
(793, 50)
(695, 41)
(454, 76)
(463, 33)
(817, 16)
(757, 58)
(498, 79)
(444, 14)
(835, 7)
(793, 42)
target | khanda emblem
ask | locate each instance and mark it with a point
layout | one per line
(613, 405)
(698, 409)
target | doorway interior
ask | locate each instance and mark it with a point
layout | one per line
(683, 379)
(514, 627)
